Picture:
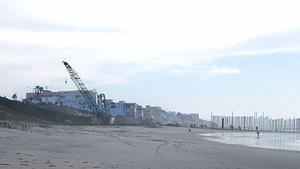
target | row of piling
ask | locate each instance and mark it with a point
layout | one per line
(263, 123)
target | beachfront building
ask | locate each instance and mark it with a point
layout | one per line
(116, 109)
(75, 100)
(47, 97)
(140, 112)
(171, 117)
(155, 113)
(108, 104)
(189, 119)
(72, 99)
(122, 108)
(130, 109)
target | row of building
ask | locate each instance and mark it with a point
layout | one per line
(75, 100)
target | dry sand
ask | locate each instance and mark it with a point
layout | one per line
(131, 147)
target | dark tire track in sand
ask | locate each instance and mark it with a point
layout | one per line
(164, 143)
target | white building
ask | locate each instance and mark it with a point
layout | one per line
(155, 113)
(47, 97)
(171, 117)
(72, 99)
(122, 108)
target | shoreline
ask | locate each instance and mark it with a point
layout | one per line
(287, 141)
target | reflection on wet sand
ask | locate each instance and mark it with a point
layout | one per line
(271, 140)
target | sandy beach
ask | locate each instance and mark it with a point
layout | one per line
(131, 148)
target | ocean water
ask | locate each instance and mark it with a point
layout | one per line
(270, 140)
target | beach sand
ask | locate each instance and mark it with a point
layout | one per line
(131, 148)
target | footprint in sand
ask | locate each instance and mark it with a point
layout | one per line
(24, 161)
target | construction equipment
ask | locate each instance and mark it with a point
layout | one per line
(99, 111)
(101, 100)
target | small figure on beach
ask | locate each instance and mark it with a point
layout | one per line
(257, 131)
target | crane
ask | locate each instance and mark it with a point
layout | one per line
(95, 109)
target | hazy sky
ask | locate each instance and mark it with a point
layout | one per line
(188, 56)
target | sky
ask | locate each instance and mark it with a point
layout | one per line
(187, 56)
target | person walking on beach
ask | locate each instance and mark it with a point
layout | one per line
(257, 131)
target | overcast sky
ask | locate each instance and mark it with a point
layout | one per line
(188, 56)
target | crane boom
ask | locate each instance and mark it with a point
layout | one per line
(83, 90)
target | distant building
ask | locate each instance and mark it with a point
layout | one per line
(188, 119)
(130, 109)
(122, 108)
(75, 100)
(155, 113)
(116, 109)
(140, 112)
(193, 116)
(171, 117)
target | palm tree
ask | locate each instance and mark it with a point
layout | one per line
(14, 96)
(38, 89)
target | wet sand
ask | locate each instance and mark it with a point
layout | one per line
(131, 147)
(270, 140)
